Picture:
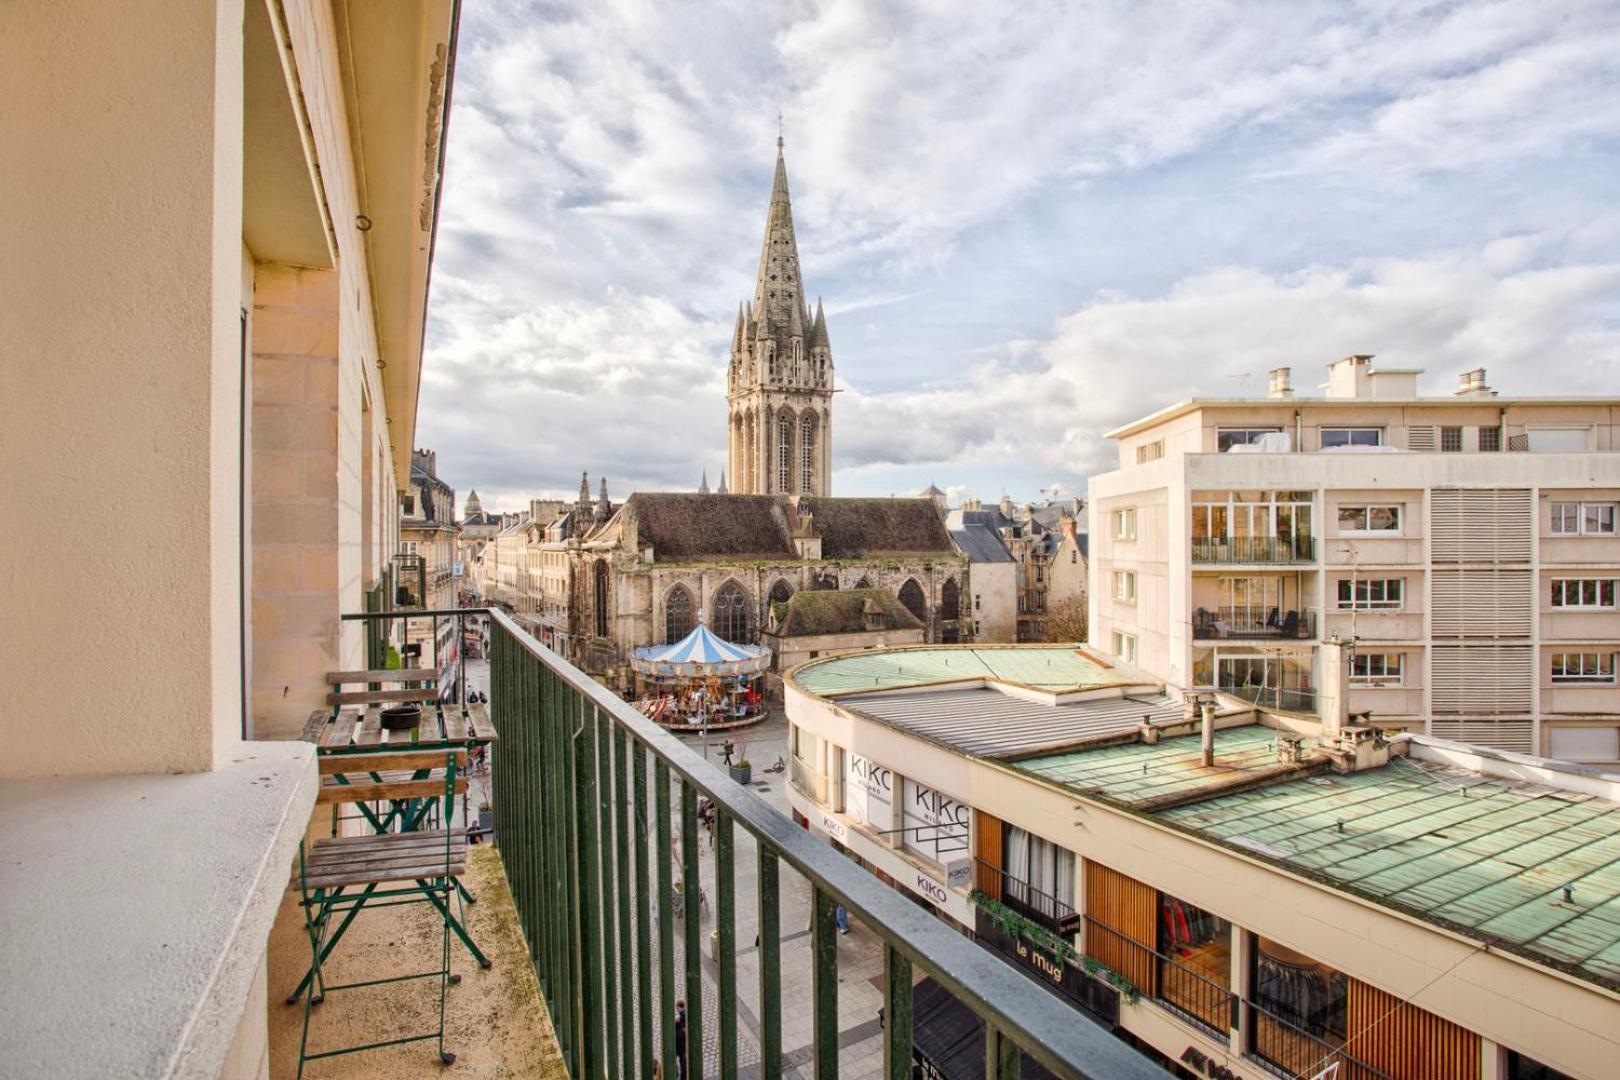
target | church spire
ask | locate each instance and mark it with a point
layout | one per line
(722, 490)
(703, 487)
(776, 289)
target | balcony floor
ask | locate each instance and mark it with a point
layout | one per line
(495, 1021)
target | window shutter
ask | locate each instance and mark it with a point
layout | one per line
(1420, 437)
(1481, 525)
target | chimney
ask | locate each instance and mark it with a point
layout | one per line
(1209, 733)
(1472, 384)
(1335, 697)
(1282, 385)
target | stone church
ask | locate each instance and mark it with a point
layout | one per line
(738, 557)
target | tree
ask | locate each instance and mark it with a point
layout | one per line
(1066, 620)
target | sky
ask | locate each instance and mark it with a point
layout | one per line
(1029, 223)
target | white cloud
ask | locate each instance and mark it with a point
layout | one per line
(1217, 333)
(609, 162)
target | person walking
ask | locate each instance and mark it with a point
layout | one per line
(841, 917)
(680, 1040)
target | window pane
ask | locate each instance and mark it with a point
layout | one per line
(1383, 518)
(1353, 518)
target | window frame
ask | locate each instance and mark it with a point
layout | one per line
(1125, 523)
(1493, 436)
(1222, 445)
(1398, 511)
(1350, 432)
(1127, 579)
(1453, 432)
(1124, 646)
(1388, 675)
(1581, 510)
(1597, 676)
(1560, 590)
(1386, 603)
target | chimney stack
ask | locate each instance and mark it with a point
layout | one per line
(1209, 733)
(1282, 385)
(1472, 384)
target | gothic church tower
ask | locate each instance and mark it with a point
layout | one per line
(780, 387)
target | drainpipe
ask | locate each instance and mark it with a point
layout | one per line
(1209, 733)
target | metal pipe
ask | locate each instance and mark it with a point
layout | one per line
(1208, 710)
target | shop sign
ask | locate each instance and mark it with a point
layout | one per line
(1096, 998)
(930, 889)
(1204, 1065)
(936, 825)
(868, 791)
(959, 874)
(832, 825)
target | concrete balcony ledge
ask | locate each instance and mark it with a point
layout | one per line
(136, 912)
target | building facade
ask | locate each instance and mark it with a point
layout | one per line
(1466, 545)
(666, 560)
(212, 361)
(779, 386)
(428, 538)
(1240, 893)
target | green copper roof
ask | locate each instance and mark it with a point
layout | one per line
(1054, 668)
(1485, 856)
(1145, 775)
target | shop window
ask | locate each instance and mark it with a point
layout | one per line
(1520, 1067)
(1299, 1008)
(1195, 962)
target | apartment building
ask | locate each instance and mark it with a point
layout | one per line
(1466, 545)
(219, 222)
(1236, 891)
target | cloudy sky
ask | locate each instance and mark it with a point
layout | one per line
(1029, 222)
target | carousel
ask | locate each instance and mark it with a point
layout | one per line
(701, 683)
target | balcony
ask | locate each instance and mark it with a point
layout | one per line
(1253, 550)
(1248, 624)
(1284, 698)
(1020, 896)
(590, 798)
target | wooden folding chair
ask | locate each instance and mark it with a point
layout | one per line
(415, 867)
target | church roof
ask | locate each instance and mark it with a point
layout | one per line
(858, 528)
(840, 612)
(684, 527)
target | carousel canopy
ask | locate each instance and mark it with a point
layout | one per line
(699, 654)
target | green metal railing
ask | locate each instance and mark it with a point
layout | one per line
(586, 841)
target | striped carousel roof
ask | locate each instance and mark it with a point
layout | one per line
(701, 652)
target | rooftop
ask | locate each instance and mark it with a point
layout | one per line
(1054, 669)
(1517, 852)
(840, 611)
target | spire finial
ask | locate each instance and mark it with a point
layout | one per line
(778, 131)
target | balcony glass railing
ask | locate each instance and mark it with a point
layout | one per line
(583, 789)
(1253, 549)
(1288, 699)
(1241, 623)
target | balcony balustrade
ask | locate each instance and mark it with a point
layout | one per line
(1285, 698)
(583, 788)
(1259, 550)
(1242, 623)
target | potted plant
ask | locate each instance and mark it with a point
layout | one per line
(742, 772)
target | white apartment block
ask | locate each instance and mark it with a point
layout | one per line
(1465, 545)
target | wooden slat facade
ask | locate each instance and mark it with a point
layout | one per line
(987, 832)
(1406, 1041)
(1131, 908)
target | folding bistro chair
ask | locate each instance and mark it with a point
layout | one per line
(417, 867)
